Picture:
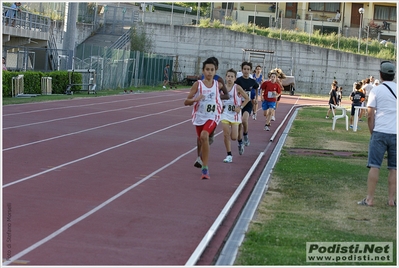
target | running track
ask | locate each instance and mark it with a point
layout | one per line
(111, 181)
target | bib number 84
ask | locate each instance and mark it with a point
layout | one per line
(211, 108)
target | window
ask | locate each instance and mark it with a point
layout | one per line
(385, 13)
(229, 5)
(328, 7)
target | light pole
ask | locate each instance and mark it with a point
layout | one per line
(361, 11)
(310, 30)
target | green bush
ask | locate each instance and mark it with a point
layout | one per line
(330, 41)
(60, 81)
(7, 83)
(32, 81)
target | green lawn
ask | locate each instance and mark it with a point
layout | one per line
(313, 198)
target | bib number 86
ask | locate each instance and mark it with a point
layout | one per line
(231, 108)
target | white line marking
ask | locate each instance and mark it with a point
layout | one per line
(81, 115)
(91, 155)
(84, 216)
(83, 105)
(89, 129)
(208, 236)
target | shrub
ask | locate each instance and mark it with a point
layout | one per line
(32, 81)
(205, 23)
(217, 24)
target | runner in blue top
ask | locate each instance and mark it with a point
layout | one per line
(258, 76)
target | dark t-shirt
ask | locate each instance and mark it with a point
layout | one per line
(247, 84)
(333, 96)
(357, 97)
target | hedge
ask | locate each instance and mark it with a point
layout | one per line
(32, 81)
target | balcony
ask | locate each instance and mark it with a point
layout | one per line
(25, 29)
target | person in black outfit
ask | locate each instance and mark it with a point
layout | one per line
(250, 86)
(333, 98)
(357, 97)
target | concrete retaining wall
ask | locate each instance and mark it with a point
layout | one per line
(314, 68)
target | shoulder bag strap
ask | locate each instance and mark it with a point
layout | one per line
(390, 90)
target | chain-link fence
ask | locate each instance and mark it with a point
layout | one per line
(118, 68)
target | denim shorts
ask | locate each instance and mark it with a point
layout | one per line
(379, 144)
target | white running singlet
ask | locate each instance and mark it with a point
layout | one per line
(210, 107)
(229, 113)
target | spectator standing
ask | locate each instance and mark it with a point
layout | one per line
(367, 87)
(165, 75)
(12, 13)
(372, 80)
(337, 16)
(357, 97)
(382, 123)
(333, 98)
(4, 64)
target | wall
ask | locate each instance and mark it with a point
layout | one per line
(313, 67)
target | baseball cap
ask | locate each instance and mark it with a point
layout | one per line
(387, 67)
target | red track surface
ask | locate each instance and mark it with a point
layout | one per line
(63, 161)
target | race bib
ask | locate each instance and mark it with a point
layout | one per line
(231, 108)
(210, 107)
(271, 94)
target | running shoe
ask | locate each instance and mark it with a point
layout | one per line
(267, 128)
(241, 148)
(273, 118)
(198, 162)
(246, 140)
(228, 159)
(205, 174)
(254, 116)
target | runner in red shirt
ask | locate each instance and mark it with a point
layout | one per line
(271, 90)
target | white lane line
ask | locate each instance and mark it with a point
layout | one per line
(89, 129)
(215, 226)
(82, 105)
(88, 114)
(84, 216)
(91, 155)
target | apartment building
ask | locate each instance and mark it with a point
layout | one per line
(377, 19)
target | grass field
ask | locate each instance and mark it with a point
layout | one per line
(313, 197)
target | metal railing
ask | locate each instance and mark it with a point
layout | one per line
(52, 45)
(121, 42)
(25, 20)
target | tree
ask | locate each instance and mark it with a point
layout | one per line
(139, 40)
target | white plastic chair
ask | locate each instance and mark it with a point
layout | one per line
(335, 116)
